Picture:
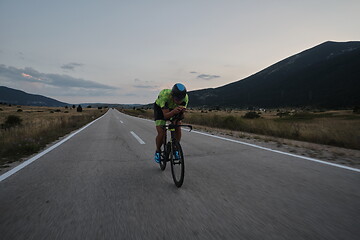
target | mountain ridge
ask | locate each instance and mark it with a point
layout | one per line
(325, 75)
(18, 97)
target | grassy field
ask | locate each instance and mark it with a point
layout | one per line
(26, 130)
(337, 128)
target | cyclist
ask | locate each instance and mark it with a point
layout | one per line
(170, 103)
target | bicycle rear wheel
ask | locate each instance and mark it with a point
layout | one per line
(177, 165)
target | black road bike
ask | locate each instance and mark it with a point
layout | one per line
(168, 153)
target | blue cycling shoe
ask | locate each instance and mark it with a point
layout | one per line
(177, 155)
(157, 157)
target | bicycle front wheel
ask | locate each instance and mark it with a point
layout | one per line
(164, 156)
(177, 164)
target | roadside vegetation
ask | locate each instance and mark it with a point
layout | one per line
(337, 128)
(25, 130)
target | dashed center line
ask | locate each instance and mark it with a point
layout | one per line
(137, 138)
(121, 121)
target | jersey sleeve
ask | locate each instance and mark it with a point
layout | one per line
(186, 100)
(161, 100)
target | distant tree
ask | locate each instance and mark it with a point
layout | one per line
(79, 108)
(66, 107)
(251, 115)
(99, 107)
(89, 106)
(73, 106)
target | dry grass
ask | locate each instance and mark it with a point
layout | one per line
(39, 126)
(337, 128)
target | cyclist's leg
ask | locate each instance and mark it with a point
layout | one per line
(178, 132)
(160, 137)
(159, 122)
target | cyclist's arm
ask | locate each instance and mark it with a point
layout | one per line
(168, 114)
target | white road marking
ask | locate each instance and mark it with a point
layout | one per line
(276, 151)
(137, 138)
(121, 121)
(27, 162)
(271, 150)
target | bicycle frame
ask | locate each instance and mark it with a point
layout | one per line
(172, 128)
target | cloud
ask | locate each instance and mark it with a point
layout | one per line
(207, 76)
(21, 55)
(48, 79)
(71, 66)
(144, 84)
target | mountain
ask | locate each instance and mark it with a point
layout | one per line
(110, 105)
(327, 75)
(13, 96)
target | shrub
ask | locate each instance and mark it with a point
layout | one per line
(99, 107)
(11, 121)
(140, 110)
(1, 109)
(19, 110)
(251, 115)
(79, 108)
(283, 114)
(57, 110)
(89, 106)
(302, 116)
(356, 110)
(230, 122)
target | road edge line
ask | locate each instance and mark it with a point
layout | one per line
(271, 150)
(39, 155)
(280, 152)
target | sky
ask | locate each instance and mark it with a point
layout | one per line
(126, 51)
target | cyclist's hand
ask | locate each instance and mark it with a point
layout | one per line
(177, 110)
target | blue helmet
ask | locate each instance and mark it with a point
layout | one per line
(178, 91)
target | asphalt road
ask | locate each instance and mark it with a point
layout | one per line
(104, 184)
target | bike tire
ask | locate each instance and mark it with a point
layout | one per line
(164, 157)
(177, 165)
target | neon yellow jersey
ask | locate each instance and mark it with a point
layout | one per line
(165, 100)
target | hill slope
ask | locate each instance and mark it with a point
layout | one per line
(13, 96)
(327, 75)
